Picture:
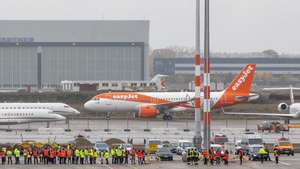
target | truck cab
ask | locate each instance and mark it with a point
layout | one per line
(284, 146)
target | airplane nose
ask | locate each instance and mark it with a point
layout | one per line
(59, 117)
(76, 111)
(88, 105)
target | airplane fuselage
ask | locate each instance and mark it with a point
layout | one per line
(57, 108)
(19, 116)
(131, 101)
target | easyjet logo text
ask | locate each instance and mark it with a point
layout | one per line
(125, 97)
(243, 78)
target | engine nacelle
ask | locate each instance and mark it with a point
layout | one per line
(283, 107)
(147, 111)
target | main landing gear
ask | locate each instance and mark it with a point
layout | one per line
(167, 117)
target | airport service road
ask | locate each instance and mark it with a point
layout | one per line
(285, 163)
(167, 131)
(142, 124)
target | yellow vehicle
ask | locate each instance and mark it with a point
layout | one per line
(284, 146)
(152, 145)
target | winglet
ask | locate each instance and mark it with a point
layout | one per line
(241, 85)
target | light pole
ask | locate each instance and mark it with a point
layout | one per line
(197, 137)
(206, 105)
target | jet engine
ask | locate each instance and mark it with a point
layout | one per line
(147, 111)
(283, 107)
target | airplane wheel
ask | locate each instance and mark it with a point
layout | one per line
(167, 117)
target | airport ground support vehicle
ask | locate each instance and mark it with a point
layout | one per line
(251, 140)
(164, 154)
(219, 139)
(152, 145)
(253, 153)
(218, 147)
(284, 146)
(274, 126)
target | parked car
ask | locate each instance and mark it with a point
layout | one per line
(164, 153)
(173, 147)
(182, 145)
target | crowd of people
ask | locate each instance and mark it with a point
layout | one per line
(209, 156)
(70, 155)
(116, 155)
(217, 157)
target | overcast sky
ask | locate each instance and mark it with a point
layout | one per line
(236, 25)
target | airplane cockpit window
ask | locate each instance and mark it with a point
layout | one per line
(96, 98)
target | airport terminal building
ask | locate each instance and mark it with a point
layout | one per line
(221, 65)
(42, 53)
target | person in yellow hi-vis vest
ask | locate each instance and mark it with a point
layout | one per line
(9, 156)
(82, 156)
(113, 155)
(119, 155)
(17, 154)
(91, 156)
(106, 156)
(95, 156)
(77, 155)
(262, 153)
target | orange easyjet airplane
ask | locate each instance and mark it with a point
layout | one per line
(149, 104)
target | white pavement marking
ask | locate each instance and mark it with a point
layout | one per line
(107, 166)
(284, 163)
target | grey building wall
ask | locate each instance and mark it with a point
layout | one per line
(72, 50)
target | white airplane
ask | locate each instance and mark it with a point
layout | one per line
(291, 111)
(20, 116)
(149, 104)
(56, 108)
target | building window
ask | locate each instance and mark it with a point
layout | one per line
(105, 85)
(133, 84)
(114, 84)
(143, 84)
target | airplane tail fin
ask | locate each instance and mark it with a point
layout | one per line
(158, 80)
(241, 85)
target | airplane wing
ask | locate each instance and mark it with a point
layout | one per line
(174, 104)
(280, 88)
(273, 115)
(250, 97)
